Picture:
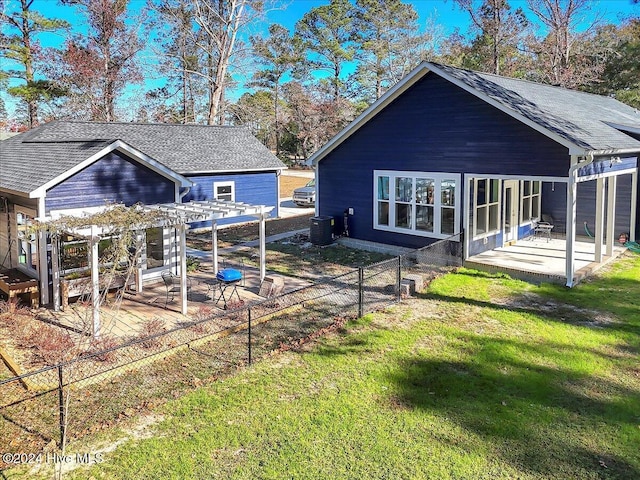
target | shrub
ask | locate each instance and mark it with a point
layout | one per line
(192, 263)
(101, 348)
(148, 331)
(53, 345)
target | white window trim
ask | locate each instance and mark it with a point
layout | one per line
(488, 233)
(531, 195)
(438, 177)
(231, 184)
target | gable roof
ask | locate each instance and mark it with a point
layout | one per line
(582, 122)
(35, 158)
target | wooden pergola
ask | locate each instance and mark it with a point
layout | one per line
(175, 215)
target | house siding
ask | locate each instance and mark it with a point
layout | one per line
(253, 188)
(113, 178)
(434, 126)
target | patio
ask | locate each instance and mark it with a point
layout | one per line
(540, 259)
(137, 308)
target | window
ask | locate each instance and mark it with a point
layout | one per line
(27, 243)
(418, 203)
(224, 191)
(530, 201)
(486, 206)
(154, 247)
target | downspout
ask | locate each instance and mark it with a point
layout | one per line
(571, 215)
(184, 194)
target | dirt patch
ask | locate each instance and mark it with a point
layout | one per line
(289, 184)
(247, 232)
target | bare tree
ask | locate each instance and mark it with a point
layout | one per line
(564, 56)
(219, 23)
(96, 67)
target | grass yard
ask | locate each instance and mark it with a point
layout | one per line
(481, 377)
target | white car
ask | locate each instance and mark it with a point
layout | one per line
(305, 196)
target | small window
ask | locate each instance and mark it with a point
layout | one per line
(530, 200)
(486, 205)
(224, 191)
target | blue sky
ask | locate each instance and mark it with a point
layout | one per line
(445, 13)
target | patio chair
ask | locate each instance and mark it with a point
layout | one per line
(172, 284)
(543, 228)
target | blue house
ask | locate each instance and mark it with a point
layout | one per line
(449, 151)
(72, 167)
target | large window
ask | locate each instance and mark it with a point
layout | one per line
(486, 206)
(530, 201)
(27, 243)
(419, 203)
(224, 191)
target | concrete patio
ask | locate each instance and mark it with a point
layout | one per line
(540, 260)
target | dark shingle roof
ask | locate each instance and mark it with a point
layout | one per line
(583, 119)
(34, 158)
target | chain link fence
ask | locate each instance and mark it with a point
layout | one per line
(97, 390)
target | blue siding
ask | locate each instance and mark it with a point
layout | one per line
(254, 188)
(113, 178)
(434, 127)
(554, 203)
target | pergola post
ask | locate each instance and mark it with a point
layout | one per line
(214, 245)
(55, 272)
(263, 247)
(599, 226)
(94, 241)
(43, 268)
(183, 268)
(611, 213)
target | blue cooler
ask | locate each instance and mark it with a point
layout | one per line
(229, 275)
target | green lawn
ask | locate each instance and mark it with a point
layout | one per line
(481, 377)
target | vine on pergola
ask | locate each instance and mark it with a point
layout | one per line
(122, 225)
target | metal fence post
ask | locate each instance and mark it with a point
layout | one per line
(61, 405)
(249, 334)
(360, 292)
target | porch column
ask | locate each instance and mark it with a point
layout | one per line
(571, 223)
(183, 268)
(611, 213)
(263, 247)
(55, 272)
(94, 240)
(43, 271)
(634, 200)
(214, 245)
(599, 226)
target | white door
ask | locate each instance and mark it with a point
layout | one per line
(510, 213)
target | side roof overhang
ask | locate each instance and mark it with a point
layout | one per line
(416, 75)
(116, 146)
